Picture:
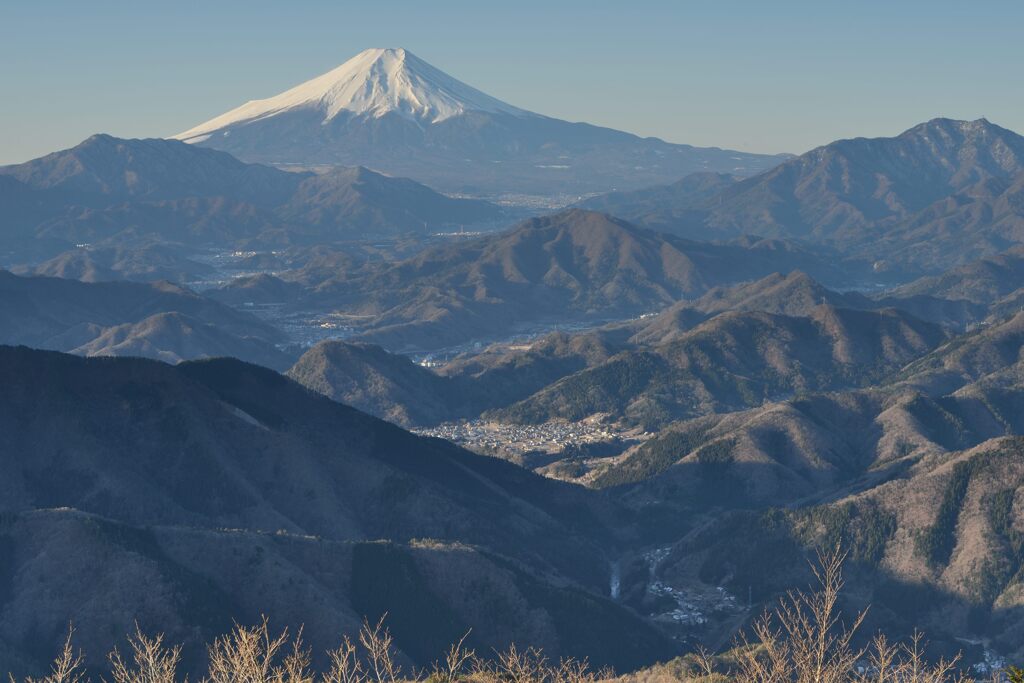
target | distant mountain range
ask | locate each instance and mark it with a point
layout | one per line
(111, 188)
(937, 195)
(571, 266)
(391, 111)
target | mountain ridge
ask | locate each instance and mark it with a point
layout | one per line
(732, 361)
(375, 82)
(575, 264)
(938, 194)
(107, 188)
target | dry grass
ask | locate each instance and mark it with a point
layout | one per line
(803, 640)
(256, 655)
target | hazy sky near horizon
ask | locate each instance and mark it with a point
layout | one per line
(779, 76)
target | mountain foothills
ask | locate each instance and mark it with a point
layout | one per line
(390, 110)
(570, 266)
(937, 195)
(296, 382)
(732, 361)
(393, 387)
(733, 347)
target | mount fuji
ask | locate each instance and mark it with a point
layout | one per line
(389, 110)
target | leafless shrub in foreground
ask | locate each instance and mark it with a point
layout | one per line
(150, 661)
(531, 666)
(66, 668)
(803, 640)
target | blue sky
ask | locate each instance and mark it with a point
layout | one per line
(759, 75)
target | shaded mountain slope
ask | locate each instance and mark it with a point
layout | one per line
(850, 185)
(387, 385)
(191, 584)
(172, 455)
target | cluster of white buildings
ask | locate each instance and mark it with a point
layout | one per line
(549, 437)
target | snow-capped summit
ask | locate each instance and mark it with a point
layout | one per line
(375, 82)
(389, 110)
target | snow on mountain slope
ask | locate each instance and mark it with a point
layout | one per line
(390, 111)
(373, 83)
